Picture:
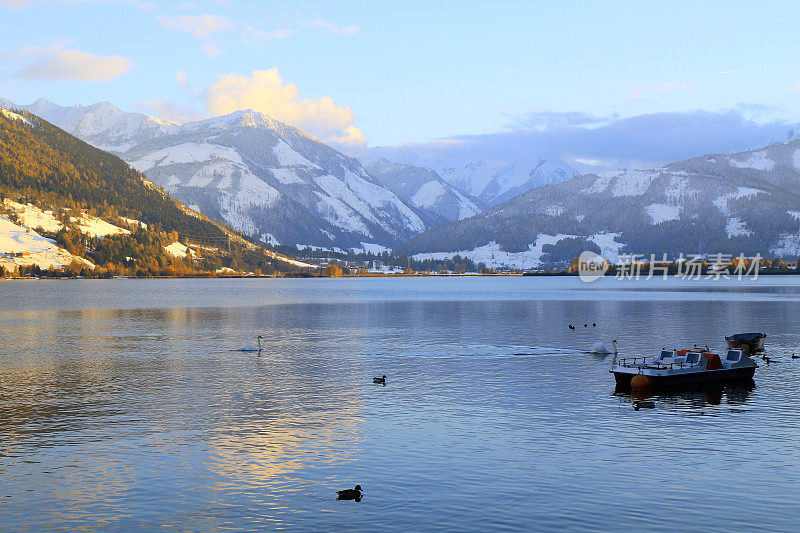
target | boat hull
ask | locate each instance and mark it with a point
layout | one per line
(679, 380)
(753, 341)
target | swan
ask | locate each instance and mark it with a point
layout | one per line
(600, 347)
(252, 348)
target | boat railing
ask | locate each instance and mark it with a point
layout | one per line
(634, 361)
(679, 364)
(652, 361)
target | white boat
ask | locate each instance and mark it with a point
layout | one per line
(683, 367)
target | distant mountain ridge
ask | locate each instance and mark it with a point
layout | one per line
(486, 177)
(746, 202)
(423, 189)
(493, 182)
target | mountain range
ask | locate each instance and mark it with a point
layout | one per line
(266, 178)
(279, 185)
(746, 202)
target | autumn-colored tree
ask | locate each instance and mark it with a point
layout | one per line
(333, 271)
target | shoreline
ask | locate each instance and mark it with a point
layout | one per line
(377, 275)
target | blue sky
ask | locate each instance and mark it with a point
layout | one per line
(388, 73)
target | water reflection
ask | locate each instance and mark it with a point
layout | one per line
(693, 397)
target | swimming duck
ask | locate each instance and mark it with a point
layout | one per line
(594, 324)
(571, 326)
(586, 325)
(349, 494)
(381, 380)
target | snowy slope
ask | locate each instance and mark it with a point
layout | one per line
(21, 246)
(493, 182)
(263, 177)
(424, 189)
(32, 217)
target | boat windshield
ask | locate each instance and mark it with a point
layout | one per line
(665, 354)
(692, 357)
(733, 355)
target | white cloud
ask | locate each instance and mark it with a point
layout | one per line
(60, 63)
(257, 36)
(200, 26)
(266, 92)
(333, 28)
(212, 49)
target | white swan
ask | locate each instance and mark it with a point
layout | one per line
(600, 347)
(252, 348)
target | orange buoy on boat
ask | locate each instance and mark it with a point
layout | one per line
(640, 382)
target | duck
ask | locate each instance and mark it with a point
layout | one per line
(571, 326)
(349, 494)
(252, 348)
(600, 347)
(381, 380)
(586, 325)
(795, 356)
(594, 324)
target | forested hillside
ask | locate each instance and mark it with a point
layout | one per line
(58, 190)
(42, 161)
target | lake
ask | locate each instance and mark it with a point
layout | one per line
(125, 406)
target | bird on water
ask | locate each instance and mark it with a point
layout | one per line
(350, 494)
(601, 347)
(380, 381)
(252, 348)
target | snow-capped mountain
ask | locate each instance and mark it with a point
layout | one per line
(262, 176)
(493, 182)
(747, 202)
(102, 125)
(423, 189)
(487, 174)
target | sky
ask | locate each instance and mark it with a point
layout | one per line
(554, 75)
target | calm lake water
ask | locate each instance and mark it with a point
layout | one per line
(124, 406)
